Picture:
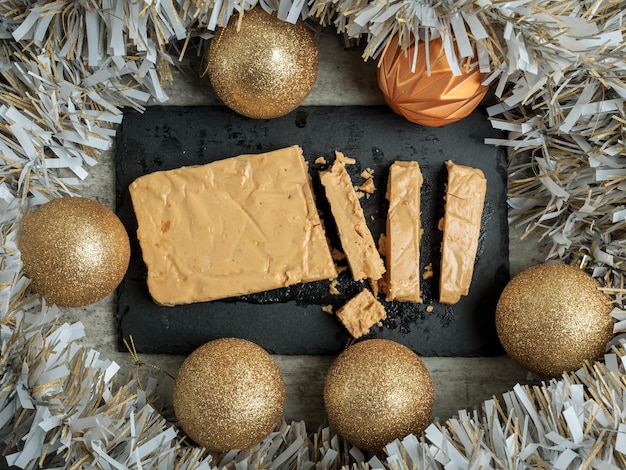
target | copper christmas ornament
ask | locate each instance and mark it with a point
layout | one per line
(266, 68)
(551, 318)
(431, 100)
(75, 251)
(376, 391)
(229, 394)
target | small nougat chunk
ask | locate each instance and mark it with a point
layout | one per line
(403, 232)
(360, 313)
(356, 239)
(236, 226)
(465, 198)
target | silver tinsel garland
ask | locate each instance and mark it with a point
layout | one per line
(68, 67)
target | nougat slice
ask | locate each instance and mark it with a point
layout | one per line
(356, 238)
(360, 313)
(404, 232)
(465, 198)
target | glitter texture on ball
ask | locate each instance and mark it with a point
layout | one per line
(75, 251)
(376, 391)
(551, 318)
(229, 394)
(265, 69)
(434, 99)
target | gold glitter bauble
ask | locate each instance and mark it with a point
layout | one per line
(433, 99)
(264, 70)
(75, 251)
(229, 394)
(376, 391)
(551, 318)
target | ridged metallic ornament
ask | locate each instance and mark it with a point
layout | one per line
(430, 100)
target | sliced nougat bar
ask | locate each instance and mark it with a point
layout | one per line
(465, 198)
(403, 232)
(356, 239)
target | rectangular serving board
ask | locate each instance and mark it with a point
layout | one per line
(291, 320)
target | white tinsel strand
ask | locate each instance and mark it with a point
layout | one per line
(511, 433)
(567, 124)
(60, 404)
(95, 31)
(68, 68)
(465, 26)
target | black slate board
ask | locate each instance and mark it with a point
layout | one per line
(290, 320)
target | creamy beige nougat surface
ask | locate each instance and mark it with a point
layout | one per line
(465, 198)
(236, 226)
(403, 232)
(356, 239)
(360, 313)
